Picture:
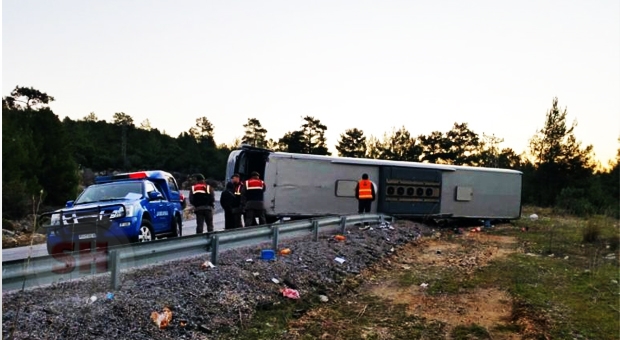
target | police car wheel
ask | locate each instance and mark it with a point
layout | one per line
(177, 227)
(145, 234)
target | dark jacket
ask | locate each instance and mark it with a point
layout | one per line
(254, 189)
(201, 195)
(233, 197)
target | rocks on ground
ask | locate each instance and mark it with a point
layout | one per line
(20, 233)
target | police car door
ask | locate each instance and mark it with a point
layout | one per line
(158, 210)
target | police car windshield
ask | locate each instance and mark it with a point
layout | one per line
(110, 191)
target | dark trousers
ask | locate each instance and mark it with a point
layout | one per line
(252, 214)
(363, 206)
(232, 218)
(228, 219)
(202, 216)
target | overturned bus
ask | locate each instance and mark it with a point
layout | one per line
(303, 186)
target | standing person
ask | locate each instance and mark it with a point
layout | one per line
(365, 194)
(254, 193)
(201, 196)
(233, 203)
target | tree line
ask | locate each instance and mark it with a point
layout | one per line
(42, 153)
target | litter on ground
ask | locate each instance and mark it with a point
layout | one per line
(162, 319)
(207, 264)
(290, 293)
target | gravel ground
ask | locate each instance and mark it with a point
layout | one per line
(211, 302)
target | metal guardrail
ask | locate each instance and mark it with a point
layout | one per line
(44, 270)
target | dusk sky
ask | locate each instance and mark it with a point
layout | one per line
(374, 65)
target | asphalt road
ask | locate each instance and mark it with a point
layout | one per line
(189, 228)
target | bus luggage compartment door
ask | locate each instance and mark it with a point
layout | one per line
(409, 191)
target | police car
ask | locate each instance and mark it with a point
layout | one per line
(130, 207)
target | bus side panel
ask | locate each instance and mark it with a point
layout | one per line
(477, 194)
(409, 191)
(307, 187)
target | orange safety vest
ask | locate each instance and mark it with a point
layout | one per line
(200, 189)
(254, 184)
(364, 189)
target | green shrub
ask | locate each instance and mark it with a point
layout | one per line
(574, 201)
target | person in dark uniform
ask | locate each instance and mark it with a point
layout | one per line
(365, 194)
(201, 196)
(254, 206)
(233, 203)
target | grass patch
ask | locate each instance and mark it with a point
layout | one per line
(366, 317)
(566, 274)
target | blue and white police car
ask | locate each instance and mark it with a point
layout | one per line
(130, 207)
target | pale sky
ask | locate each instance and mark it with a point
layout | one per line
(373, 65)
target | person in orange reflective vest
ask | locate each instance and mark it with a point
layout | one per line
(254, 206)
(365, 194)
(201, 196)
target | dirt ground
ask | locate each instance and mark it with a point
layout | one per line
(417, 291)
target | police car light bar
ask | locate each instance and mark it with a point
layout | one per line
(132, 175)
(135, 175)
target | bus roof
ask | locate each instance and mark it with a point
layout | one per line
(368, 161)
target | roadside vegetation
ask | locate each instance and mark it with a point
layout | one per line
(552, 278)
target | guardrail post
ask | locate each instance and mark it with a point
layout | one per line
(343, 224)
(315, 230)
(215, 244)
(381, 219)
(393, 219)
(115, 264)
(275, 236)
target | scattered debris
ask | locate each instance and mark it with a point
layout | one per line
(323, 298)
(92, 299)
(276, 281)
(533, 217)
(162, 319)
(211, 299)
(339, 260)
(285, 251)
(290, 293)
(109, 296)
(340, 238)
(267, 254)
(249, 260)
(207, 264)
(424, 285)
